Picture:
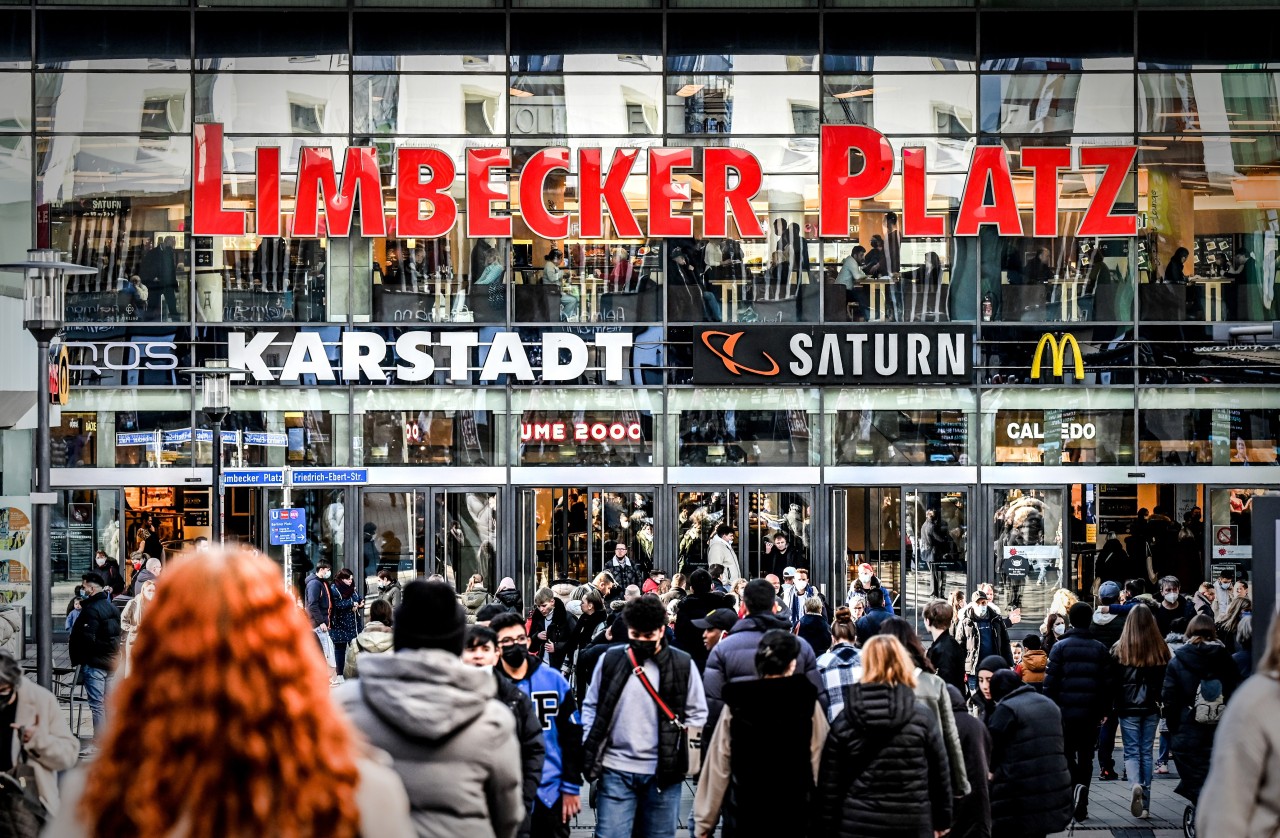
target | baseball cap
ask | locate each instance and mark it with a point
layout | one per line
(1108, 590)
(979, 595)
(721, 618)
(788, 571)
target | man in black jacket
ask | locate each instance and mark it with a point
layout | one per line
(695, 606)
(94, 642)
(944, 653)
(1077, 680)
(1031, 790)
(481, 650)
(971, 814)
(1106, 630)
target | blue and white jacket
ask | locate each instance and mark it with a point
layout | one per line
(557, 709)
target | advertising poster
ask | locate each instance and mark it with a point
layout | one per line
(15, 550)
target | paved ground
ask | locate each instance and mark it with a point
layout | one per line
(1108, 801)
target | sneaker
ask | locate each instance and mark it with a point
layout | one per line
(1162, 768)
(1145, 815)
(1107, 774)
(1136, 801)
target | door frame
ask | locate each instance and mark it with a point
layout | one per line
(819, 557)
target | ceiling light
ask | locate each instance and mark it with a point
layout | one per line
(688, 90)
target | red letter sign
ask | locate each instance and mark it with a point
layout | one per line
(837, 186)
(720, 200)
(1098, 220)
(208, 218)
(481, 221)
(360, 174)
(412, 191)
(990, 163)
(532, 177)
(1045, 162)
(915, 198)
(662, 193)
(267, 192)
(592, 193)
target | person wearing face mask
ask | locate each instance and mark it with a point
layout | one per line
(1173, 605)
(318, 601)
(150, 571)
(868, 580)
(983, 634)
(639, 760)
(388, 589)
(131, 620)
(558, 791)
(34, 728)
(110, 570)
(94, 643)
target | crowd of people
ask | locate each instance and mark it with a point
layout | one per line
(468, 714)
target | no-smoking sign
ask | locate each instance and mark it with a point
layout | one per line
(1225, 534)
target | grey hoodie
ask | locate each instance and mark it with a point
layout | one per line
(453, 744)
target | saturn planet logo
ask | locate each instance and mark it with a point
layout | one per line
(726, 350)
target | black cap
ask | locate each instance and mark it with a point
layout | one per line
(722, 618)
(430, 617)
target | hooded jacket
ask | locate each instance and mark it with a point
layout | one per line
(376, 639)
(884, 768)
(689, 636)
(1031, 789)
(972, 815)
(1034, 664)
(453, 744)
(1078, 677)
(319, 600)
(509, 596)
(557, 713)
(1106, 628)
(734, 659)
(95, 637)
(1192, 744)
(475, 599)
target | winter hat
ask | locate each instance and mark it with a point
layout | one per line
(430, 617)
(1080, 615)
(1109, 593)
(1004, 682)
(993, 663)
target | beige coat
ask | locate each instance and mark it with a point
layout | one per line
(53, 747)
(1241, 798)
(380, 799)
(130, 622)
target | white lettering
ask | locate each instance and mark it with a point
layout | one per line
(307, 356)
(917, 354)
(362, 354)
(800, 346)
(859, 343)
(247, 355)
(460, 344)
(552, 369)
(886, 360)
(951, 354)
(506, 357)
(613, 344)
(410, 347)
(830, 362)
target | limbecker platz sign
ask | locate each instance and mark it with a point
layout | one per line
(856, 163)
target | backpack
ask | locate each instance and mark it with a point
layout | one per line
(1209, 703)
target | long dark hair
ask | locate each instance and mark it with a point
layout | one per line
(1140, 642)
(906, 634)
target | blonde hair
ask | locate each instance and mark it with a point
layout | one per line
(1062, 602)
(885, 661)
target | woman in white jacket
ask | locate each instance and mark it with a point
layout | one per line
(40, 729)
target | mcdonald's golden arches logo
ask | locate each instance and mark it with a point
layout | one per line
(1058, 348)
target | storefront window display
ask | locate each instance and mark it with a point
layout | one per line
(1208, 427)
(586, 427)
(422, 428)
(722, 427)
(899, 427)
(1231, 531)
(1025, 426)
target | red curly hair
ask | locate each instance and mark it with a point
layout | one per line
(225, 724)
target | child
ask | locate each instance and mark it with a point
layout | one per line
(1034, 661)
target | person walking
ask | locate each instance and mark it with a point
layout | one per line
(475, 597)
(982, 633)
(345, 625)
(841, 666)
(1244, 770)
(248, 711)
(131, 621)
(731, 783)
(945, 653)
(1139, 660)
(388, 588)
(813, 627)
(1108, 625)
(509, 595)
(884, 767)
(1198, 685)
(94, 643)
(932, 690)
(318, 601)
(720, 553)
(452, 743)
(550, 628)
(1077, 680)
(481, 650)
(981, 702)
(734, 657)
(869, 624)
(633, 748)
(971, 817)
(557, 801)
(34, 730)
(698, 604)
(1031, 784)
(374, 639)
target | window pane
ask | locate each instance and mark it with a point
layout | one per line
(274, 104)
(1163, 43)
(1057, 44)
(15, 39)
(1047, 103)
(721, 104)
(454, 42)
(586, 42)
(475, 105)
(920, 104)
(148, 103)
(595, 104)
(314, 41)
(763, 42)
(82, 39)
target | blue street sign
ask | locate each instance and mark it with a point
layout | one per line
(287, 526)
(183, 435)
(253, 477)
(330, 476)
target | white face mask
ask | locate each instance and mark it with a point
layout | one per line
(864, 578)
(151, 594)
(1172, 598)
(1059, 629)
(979, 611)
(323, 574)
(100, 561)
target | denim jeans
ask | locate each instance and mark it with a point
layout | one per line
(95, 689)
(1166, 739)
(1139, 735)
(632, 806)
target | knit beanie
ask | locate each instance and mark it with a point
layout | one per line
(1080, 615)
(430, 617)
(1004, 682)
(993, 663)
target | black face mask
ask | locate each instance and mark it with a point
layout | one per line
(513, 655)
(644, 649)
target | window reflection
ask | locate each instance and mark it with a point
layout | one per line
(893, 437)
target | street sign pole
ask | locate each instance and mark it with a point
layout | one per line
(287, 479)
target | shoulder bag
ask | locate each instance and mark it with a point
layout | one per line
(690, 737)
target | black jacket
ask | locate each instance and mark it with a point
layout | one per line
(1031, 789)
(1136, 690)
(559, 630)
(1106, 628)
(529, 732)
(752, 802)
(586, 665)
(510, 599)
(1192, 742)
(1165, 617)
(1079, 677)
(948, 659)
(95, 637)
(583, 631)
(884, 768)
(972, 817)
(689, 637)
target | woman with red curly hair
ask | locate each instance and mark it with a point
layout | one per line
(230, 730)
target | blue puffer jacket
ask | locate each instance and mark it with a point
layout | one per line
(1078, 677)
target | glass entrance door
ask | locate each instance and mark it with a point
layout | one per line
(772, 527)
(416, 534)
(1029, 542)
(570, 532)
